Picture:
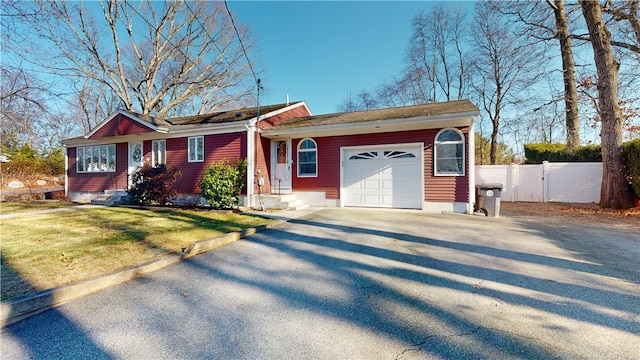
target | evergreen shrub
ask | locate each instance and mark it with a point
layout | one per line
(537, 153)
(631, 158)
(222, 182)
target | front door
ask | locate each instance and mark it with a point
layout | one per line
(281, 182)
(135, 158)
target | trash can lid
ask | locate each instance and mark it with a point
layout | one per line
(491, 186)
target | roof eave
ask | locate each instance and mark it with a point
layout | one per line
(377, 126)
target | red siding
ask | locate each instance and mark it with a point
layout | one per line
(441, 188)
(263, 159)
(120, 125)
(282, 117)
(231, 147)
(98, 182)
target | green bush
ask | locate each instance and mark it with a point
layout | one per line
(24, 161)
(53, 163)
(222, 183)
(631, 158)
(154, 185)
(537, 153)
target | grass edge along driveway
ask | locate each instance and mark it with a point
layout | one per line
(45, 251)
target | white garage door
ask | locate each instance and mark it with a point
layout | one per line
(383, 176)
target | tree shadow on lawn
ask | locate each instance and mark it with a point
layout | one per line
(113, 233)
(360, 266)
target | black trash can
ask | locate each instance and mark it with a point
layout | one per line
(488, 199)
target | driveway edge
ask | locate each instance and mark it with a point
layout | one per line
(21, 308)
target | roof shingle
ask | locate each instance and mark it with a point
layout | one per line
(213, 118)
(430, 110)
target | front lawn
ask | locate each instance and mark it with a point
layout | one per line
(49, 250)
(14, 207)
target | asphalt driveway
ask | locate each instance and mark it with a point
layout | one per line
(365, 284)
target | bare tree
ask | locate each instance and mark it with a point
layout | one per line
(615, 191)
(435, 59)
(154, 56)
(568, 75)
(504, 66)
(21, 108)
(547, 23)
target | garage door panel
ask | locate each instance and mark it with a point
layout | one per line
(372, 178)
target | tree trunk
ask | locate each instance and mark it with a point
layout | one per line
(569, 77)
(615, 191)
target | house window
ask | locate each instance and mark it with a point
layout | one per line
(96, 159)
(196, 149)
(158, 152)
(307, 158)
(449, 153)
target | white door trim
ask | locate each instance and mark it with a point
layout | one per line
(132, 166)
(281, 173)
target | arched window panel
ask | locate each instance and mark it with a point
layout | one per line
(449, 153)
(449, 135)
(307, 158)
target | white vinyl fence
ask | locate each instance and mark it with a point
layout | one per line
(547, 182)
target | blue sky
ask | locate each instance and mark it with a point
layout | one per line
(319, 51)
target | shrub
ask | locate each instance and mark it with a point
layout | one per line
(222, 183)
(631, 158)
(537, 153)
(154, 185)
(53, 163)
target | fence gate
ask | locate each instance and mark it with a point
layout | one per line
(547, 182)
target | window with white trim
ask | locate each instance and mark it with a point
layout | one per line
(96, 158)
(307, 158)
(158, 152)
(196, 149)
(449, 153)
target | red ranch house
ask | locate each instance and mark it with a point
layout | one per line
(418, 157)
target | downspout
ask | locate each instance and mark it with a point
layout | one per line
(472, 161)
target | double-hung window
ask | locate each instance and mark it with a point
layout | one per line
(96, 158)
(307, 158)
(196, 149)
(449, 153)
(158, 152)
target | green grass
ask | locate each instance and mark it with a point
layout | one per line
(15, 207)
(49, 250)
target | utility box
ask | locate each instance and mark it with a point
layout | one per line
(488, 199)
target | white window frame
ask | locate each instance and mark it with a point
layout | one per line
(193, 157)
(158, 153)
(104, 163)
(437, 144)
(300, 163)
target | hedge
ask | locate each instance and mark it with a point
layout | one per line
(537, 153)
(631, 158)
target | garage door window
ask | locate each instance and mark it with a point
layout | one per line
(449, 149)
(307, 158)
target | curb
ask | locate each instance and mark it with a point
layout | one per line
(21, 308)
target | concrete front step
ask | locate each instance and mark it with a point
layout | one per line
(110, 197)
(280, 202)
